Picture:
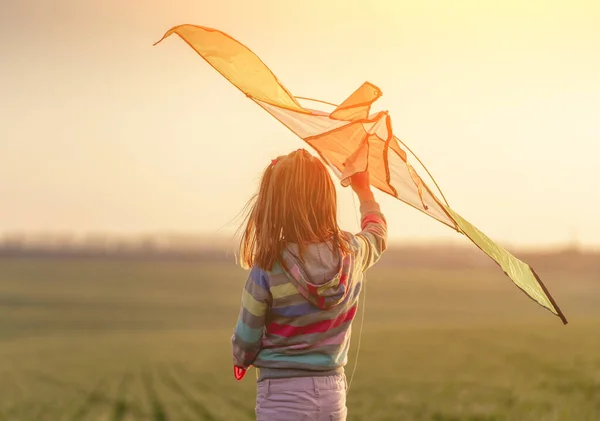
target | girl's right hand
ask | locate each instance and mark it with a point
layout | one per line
(361, 184)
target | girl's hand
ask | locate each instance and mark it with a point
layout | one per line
(361, 184)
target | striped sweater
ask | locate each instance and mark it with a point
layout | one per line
(298, 322)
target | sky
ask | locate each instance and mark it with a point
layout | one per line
(102, 132)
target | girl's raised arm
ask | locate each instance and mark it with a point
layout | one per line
(372, 238)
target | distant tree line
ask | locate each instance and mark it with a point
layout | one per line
(200, 250)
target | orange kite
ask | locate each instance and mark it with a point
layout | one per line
(351, 139)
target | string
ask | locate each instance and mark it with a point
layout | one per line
(364, 305)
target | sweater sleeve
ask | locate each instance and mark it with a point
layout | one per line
(372, 238)
(248, 333)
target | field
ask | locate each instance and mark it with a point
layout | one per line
(149, 340)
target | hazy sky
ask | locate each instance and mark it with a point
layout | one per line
(100, 131)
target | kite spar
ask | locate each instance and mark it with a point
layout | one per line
(351, 139)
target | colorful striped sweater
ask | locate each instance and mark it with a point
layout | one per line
(298, 322)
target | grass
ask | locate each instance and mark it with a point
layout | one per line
(116, 340)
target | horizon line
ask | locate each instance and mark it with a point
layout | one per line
(63, 237)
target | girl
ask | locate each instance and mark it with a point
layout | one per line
(302, 293)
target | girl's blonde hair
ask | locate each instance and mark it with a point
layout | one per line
(296, 203)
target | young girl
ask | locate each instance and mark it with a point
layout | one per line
(302, 293)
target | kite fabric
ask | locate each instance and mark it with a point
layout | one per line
(351, 139)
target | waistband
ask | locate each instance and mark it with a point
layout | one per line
(267, 387)
(264, 373)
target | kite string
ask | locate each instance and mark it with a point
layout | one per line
(364, 305)
(426, 170)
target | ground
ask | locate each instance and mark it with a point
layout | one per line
(134, 340)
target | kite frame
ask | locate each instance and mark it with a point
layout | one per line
(401, 142)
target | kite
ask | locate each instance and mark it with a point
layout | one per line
(351, 139)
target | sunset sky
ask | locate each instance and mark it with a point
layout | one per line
(102, 132)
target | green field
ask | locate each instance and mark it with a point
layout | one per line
(124, 340)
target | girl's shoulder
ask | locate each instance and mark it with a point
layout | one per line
(275, 270)
(257, 271)
(268, 278)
